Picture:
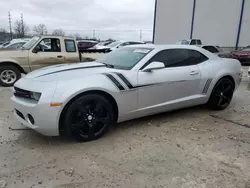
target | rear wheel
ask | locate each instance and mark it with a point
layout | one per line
(88, 117)
(221, 95)
(9, 74)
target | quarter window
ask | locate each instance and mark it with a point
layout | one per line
(70, 45)
(179, 57)
(211, 49)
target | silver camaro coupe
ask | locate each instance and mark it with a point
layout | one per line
(82, 100)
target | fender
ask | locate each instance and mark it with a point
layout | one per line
(23, 69)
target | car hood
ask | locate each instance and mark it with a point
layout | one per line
(63, 72)
(241, 53)
(12, 53)
(99, 47)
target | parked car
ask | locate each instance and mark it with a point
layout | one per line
(84, 45)
(216, 50)
(119, 44)
(100, 47)
(35, 54)
(83, 100)
(14, 43)
(190, 42)
(242, 55)
(4, 44)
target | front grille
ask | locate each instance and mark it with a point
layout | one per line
(19, 114)
(22, 93)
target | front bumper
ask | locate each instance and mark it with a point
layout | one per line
(45, 117)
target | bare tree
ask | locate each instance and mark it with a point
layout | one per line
(2, 30)
(40, 29)
(58, 32)
(77, 36)
(20, 29)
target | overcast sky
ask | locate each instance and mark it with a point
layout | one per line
(120, 19)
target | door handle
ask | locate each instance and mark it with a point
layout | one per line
(59, 56)
(194, 73)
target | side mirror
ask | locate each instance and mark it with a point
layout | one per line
(155, 65)
(35, 50)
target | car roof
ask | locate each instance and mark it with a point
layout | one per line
(87, 41)
(167, 46)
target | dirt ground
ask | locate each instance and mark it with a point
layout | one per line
(183, 149)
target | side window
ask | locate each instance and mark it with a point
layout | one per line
(211, 49)
(53, 43)
(125, 44)
(179, 57)
(198, 42)
(193, 42)
(70, 45)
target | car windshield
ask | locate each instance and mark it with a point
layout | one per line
(114, 44)
(28, 45)
(124, 58)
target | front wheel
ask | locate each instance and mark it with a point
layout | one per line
(88, 117)
(221, 95)
(9, 74)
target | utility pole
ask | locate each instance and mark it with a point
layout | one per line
(140, 35)
(22, 25)
(10, 26)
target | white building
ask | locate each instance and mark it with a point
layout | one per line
(225, 23)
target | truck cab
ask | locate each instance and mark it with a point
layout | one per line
(40, 51)
(190, 42)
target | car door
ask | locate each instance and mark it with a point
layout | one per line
(173, 85)
(41, 57)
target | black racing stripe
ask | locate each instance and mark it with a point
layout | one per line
(204, 89)
(72, 69)
(116, 83)
(125, 80)
(208, 85)
(131, 87)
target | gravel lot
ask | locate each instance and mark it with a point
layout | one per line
(182, 149)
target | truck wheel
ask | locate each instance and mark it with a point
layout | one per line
(9, 74)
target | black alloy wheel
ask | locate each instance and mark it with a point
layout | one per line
(222, 94)
(89, 117)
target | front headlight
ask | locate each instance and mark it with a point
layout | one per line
(36, 96)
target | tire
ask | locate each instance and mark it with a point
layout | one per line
(221, 95)
(88, 117)
(9, 74)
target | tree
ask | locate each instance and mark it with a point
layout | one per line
(40, 29)
(77, 36)
(58, 32)
(20, 29)
(2, 30)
